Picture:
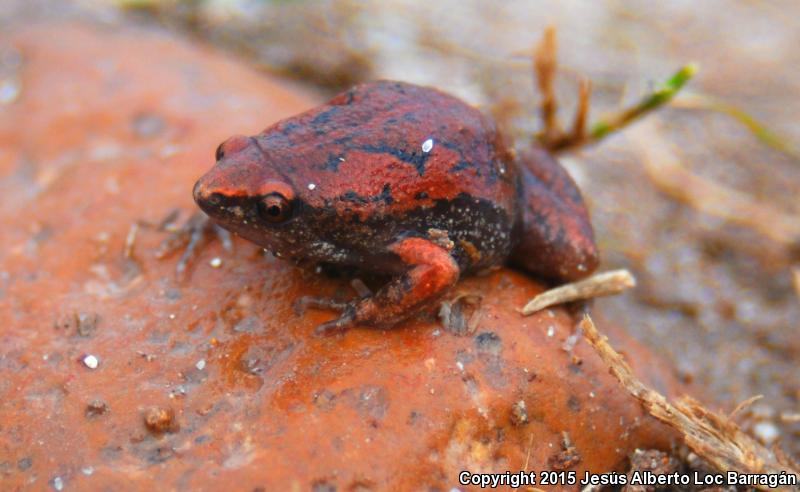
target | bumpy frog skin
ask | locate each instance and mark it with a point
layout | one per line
(401, 180)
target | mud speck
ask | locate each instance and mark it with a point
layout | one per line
(652, 460)
(95, 408)
(565, 459)
(24, 464)
(519, 413)
(489, 343)
(160, 420)
(323, 486)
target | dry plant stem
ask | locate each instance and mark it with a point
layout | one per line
(713, 437)
(761, 132)
(741, 406)
(598, 285)
(545, 65)
(582, 111)
(553, 138)
(130, 241)
(665, 169)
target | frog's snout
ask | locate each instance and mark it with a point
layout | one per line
(199, 192)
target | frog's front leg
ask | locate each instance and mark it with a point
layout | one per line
(190, 237)
(431, 273)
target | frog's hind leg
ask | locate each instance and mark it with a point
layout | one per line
(432, 272)
(556, 240)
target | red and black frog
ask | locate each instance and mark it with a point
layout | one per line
(404, 181)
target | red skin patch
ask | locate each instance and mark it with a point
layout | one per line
(382, 176)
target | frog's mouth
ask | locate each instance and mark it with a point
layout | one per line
(239, 214)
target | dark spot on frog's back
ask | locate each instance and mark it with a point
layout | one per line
(289, 127)
(416, 159)
(333, 162)
(462, 165)
(384, 196)
(324, 117)
(352, 196)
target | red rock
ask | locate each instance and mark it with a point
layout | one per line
(113, 126)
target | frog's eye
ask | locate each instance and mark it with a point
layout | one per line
(274, 208)
(219, 154)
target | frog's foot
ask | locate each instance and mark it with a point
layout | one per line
(305, 302)
(340, 324)
(432, 272)
(191, 237)
(345, 321)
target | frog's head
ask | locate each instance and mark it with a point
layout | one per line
(248, 195)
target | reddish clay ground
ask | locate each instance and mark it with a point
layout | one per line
(216, 380)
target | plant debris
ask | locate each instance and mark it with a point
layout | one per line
(713, 437)
(567, 458)
(759, 130)
(553, 138)
(598, 285)
(461, 315)
(653, 461)
(671, 177)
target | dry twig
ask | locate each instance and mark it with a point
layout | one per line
(741, 406)
(670, 176)
(598, 285)
(552, 137)
(713, 437)
(761, 132)
(545, 66)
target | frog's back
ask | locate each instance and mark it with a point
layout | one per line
(407, 158)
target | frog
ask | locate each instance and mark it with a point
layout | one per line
(403, 181)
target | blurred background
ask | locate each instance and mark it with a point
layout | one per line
(699, 200)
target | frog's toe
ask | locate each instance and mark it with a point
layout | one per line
(340, 324)
(190, 237)
(306, 302)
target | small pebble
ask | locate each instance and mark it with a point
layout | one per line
(160, 420)
(427, 145)
(551, 330)
(311, 186)
(201, 364)
(766, 432)
(215, 262)
(58, 483)
(91, 361)
(9, 91)
(87, 470)
(519, 413)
